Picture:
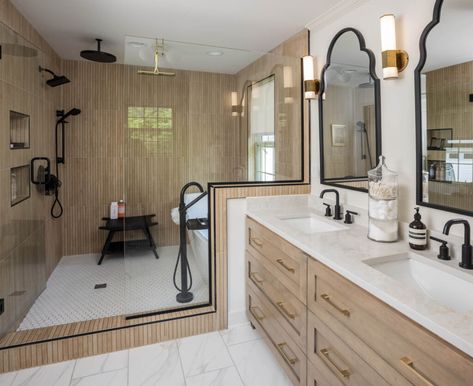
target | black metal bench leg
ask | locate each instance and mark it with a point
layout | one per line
(106, 246)
(152, 244)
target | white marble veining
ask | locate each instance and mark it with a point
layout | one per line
(100, 364)
(345, 252)
(203, 353)
(111, 378)
(156, 364)
(255, 365)
(163, 364)
(58, 374)
(240, 334)
(224, 377)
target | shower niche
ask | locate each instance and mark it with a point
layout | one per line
(19, 130)
(19, 184)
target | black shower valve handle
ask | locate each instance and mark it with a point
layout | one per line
(328, 210)
(47, 170)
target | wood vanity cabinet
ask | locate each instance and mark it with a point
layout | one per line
(325, 330)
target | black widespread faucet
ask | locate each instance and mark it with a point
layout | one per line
(338, 211)
(467, 261)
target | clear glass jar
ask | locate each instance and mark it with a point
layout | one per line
(383, 191)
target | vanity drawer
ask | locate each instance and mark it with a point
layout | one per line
(323, 344)
(292, 313)
(320, 375)
(287, 259)
(415, 353)
(262, 314)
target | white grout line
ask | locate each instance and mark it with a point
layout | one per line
(72, 373)
(128, 368)
(180, 362)
(234, 364)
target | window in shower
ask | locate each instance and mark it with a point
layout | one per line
(152, 129)
(261, 151)
(265, 160)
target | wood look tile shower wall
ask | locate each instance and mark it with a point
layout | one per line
(30, 241)
(105, 163)
(284, 62)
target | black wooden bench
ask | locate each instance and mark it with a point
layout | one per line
(128, 224)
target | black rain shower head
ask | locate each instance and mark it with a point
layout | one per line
(98, 55)
(63, 116)
(57, 80)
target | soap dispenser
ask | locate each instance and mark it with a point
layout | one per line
(417, 233)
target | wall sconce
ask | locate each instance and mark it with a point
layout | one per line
(236, 108)
(394, 60)
(311, 85)
(288, 85)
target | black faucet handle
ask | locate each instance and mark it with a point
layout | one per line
(328, 210)
(444, 253)
(439, 240)
(349, 216)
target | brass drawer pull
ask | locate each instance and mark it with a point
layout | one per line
(345, 373)
(409, 363)
(256, 277)
(338, 308)
(285, 266)
(288, 313)
(256, 241)
(291, 360)
(259, 317)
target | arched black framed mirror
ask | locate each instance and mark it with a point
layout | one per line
(349, 112)
(444, 109)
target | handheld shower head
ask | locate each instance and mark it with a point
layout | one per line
(57, 80)
(62, 115)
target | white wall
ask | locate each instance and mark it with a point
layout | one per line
(397, 96)
(236, 210)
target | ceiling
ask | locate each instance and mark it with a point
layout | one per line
(185, 56)
(70, 26)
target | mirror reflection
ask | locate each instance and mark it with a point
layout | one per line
(349, 112)
(445, 93)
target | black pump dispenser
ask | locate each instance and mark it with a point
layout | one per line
(417, 233)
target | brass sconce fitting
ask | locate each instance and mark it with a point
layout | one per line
(394, 60)
(311, 85)
(311, 88)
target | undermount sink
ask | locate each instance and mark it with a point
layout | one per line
(442, 284)
(310, 224)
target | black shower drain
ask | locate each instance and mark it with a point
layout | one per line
(98, 286)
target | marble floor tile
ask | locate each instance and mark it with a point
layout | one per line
(224, 377)
(6, 379)
(257, 365)
(156, 364)
(111, 378)
(203, 353)
(58, 374)
(239, 334)
(100, 364)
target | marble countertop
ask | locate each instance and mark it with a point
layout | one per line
(344, 252)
